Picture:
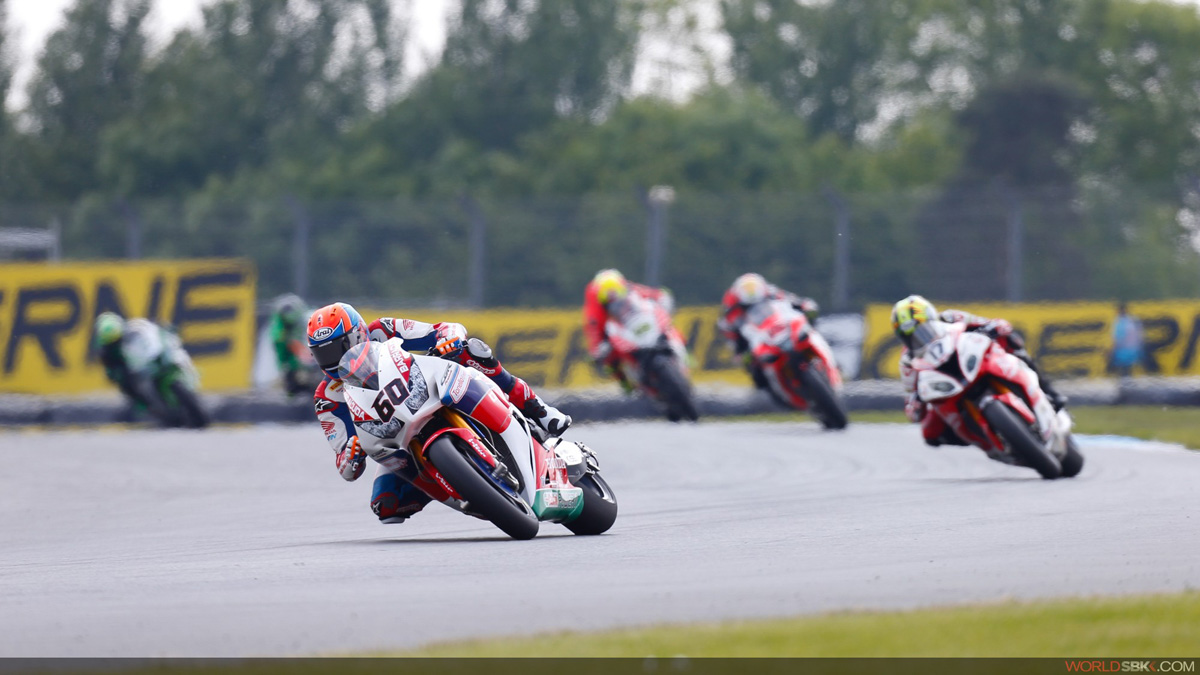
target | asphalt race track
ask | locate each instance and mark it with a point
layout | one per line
(245, 541)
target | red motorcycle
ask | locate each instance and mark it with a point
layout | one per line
(651, 352)
(797, 362)
(991, 399)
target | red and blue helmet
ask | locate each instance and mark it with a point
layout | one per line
(332, 331)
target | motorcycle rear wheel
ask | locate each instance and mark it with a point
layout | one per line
(1024, 444)
(514, 517)
(1072, 462)
(825, 404)
(599, 506)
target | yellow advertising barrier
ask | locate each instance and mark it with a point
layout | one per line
(47, 312)
(547, 347)
(1069, 340)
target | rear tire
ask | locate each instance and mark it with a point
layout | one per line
(483, 497)
(193, 414)
(675, 390)
(599, 506)
(826, 405)
(1072, 462)
(1021, 440)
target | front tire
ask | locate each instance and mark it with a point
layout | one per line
(826, 405)
(1021, 440)
(674, 389)
(483, 497)
(599, 506)
(193, 414)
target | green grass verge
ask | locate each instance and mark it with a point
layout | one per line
(1158, 626)
(1153, 423)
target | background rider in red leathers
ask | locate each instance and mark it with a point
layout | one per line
(747, 291)
(335, 329)
(606, 288)
(907, 317)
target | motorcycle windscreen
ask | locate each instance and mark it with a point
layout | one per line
(360, 366)
(925, 334)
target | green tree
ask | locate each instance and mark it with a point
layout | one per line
(7, 155)
(1144, 82)
(833, 63)
(520, 65)
(88, 76)
(509, 69)
(264, 85)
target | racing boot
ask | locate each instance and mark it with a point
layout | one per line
(1057, 400)
(479, 355)
(549, 418)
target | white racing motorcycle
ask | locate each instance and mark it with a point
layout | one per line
(452, 433)
(652, 353)
(163, 374)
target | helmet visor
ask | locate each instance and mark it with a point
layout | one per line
(360, 367)
(328, 354)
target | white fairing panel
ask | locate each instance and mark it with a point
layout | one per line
(780, 333)
(569, 453)
(426, 377)
(971, 350)
(934, 386)
(939, 351)
(636, 322)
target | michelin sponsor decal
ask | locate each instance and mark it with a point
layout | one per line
(47, 312)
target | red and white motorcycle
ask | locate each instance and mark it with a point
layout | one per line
(991, 399)
(651, 352)
(797, 362)
(451, 432)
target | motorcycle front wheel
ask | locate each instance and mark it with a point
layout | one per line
(599, 506)
(193, 413)
(673, 388)
(1021, 440)
(826, 405)
(511, 514)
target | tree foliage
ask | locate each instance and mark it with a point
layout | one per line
(89, 76)
(926, 123)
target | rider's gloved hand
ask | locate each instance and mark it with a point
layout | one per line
(451, 339)
(602, 351)
(351, 460)
(997, 328)
(915, 409)
(451, 346)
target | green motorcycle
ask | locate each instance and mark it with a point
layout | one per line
(163, 375)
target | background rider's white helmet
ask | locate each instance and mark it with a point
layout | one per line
(750, 288)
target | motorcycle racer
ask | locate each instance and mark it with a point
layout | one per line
(335, 329)
(747, 291)
(913, 315)
(110, 330)
(287, 331)
(606, 288)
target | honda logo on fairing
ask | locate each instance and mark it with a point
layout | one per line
(322, 333)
